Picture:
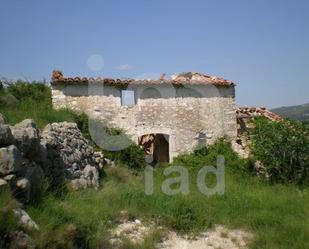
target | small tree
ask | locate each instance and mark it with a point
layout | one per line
(283, 148)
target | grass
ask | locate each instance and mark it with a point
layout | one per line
(8, 221)
(277, 215)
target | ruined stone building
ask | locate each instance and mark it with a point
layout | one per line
(165, 116)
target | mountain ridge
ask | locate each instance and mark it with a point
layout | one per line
(296, 112)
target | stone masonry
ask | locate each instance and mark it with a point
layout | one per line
(191, 111)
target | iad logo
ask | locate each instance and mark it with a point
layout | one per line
(183, 178)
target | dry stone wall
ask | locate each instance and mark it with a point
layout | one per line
(60, 154)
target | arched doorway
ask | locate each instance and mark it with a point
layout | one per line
(156, 145)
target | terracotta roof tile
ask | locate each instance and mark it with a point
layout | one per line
(183, 78)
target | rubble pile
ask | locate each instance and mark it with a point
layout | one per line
(60, 153)
(244, 117)
(71, 153)
(200, 78)
(252, 112)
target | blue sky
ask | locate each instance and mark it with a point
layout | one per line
(261, 45)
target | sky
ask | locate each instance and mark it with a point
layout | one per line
(262, 45)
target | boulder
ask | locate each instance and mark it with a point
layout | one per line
(78, 184)
(27, 138)
(6, 137)
(100, 159)
(10, 160)
(22, 190)
(91, 175)
(3, 182)
(260, 169)
(24, 219)
(9, 178)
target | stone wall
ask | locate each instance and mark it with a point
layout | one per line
(187, 114)
(60, 155)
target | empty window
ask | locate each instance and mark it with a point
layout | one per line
(127, 98)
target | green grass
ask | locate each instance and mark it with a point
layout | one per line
(277, 214)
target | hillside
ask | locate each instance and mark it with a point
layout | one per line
(297, 112)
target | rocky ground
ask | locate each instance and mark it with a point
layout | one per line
(218, 237)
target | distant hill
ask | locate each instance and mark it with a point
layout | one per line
(297, 112)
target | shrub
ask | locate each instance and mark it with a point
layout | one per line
(208, 156)
(36, 91)
(283, 148)
(131, 156)
(82, 123)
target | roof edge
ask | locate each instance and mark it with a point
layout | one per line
(181, 79)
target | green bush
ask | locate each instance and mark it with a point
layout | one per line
(208, 156)
(82, 123)
(35, 91)
(283, 148)
(132, 156)
(105, 137)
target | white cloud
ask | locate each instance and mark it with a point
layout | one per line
(124, 67)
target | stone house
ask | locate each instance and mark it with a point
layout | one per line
(165, 116)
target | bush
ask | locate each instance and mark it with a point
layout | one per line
(82, 123)
(131, 156)
(208, 156)
(283, 148)
(24, 90)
